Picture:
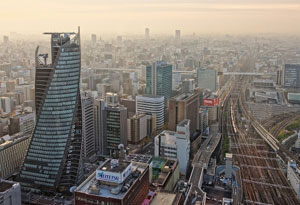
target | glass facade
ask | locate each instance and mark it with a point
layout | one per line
(159, 80)
(53, 160)
(292, 75)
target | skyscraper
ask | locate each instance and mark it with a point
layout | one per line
(115, 127)
(184, 106)
(291, 75)
(94, 38)
(99, 120)
(207, 79)
(147, 33)
(88, 131)
(177, 34)
(54, 158)
(159, 80)
(151, 104)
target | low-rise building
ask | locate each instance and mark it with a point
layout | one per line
(12, 152)
(164, 173)
(10, 193)
(175, 145)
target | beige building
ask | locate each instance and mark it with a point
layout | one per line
(184, 106)
(12, 152)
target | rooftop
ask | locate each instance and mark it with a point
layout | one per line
(6, 185)
(139, 158)
(94, 185)
(163, 198)
(183, 123)
(114, 165)
(182, 96)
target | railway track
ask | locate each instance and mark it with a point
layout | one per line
(262, 179)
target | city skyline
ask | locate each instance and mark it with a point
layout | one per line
(162, 17)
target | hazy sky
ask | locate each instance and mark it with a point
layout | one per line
(161, 16)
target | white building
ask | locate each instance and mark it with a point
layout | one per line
(293, 175)
(10, 193)
(176, 145)
(5, 104)
(151, 104)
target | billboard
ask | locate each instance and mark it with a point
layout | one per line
(115, 177)
(210, 102)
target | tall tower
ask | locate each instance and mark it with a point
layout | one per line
(147, 33)
(159, 80)
(54, 158)
(177, 34)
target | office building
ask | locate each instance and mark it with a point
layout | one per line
(99, 125)
(5, 39)
(21, 122)
(130, 104)
(164, 173)
(94, 38)
(291, 75)
(147, 33)
(115, 182)
(151, 104)
(184, 106)
(188, 85)
(5, 104)
(10, 86)
(137, 128)
(115, 127)
(207, 79)
(177, 34)
(10, 193)
(203, 119)
(159, 80)
(175, 145)
(54, 158)
(12, 152)
(294, 98)
(88, 131)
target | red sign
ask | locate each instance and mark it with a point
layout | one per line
(210, 102)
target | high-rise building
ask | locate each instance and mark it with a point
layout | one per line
(207, 79)
(115, 127)
(94, 38)
(10, 86)
(54, 157)
(5, 39)
(176, 145)
(184, 106)
(177, 34)
(147, 33)
(137, 128)
(5, 104)
(21, 122)
(151, 104)
(159, 80)
(188, 85)
(291, 76)
(100, 128)
(88, 131)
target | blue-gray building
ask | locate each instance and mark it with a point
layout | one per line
(159, 80)
(54, 158)
(291, 75)
(207, 79)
